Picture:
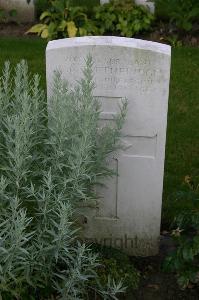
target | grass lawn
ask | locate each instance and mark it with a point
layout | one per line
(182, 151)
(30, 49)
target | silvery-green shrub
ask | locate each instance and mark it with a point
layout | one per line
(47, 166)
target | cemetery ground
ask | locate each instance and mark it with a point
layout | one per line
(181, 152)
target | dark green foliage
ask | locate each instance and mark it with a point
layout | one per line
(182, 13)
(61, 20)
(40, 6)
(122, 18)
(85, 3)
(116, 264)
(188, 219)
(185, 259)
(117, 17)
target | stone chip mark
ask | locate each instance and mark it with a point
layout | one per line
(140, 146)
(110, 106)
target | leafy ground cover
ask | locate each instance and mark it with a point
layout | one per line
(32, 50)
(114, 18)
(182, 157)
(40, 185)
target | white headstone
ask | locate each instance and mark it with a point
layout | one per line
(104, 1)
(147, 3)
(129, 213)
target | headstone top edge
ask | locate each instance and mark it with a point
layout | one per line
(109, 41)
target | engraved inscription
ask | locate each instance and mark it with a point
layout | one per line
(114, 74)
(137, 245)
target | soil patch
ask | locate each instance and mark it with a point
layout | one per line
(156, 284)
(13, 29)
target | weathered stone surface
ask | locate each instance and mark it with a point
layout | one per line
(149, 4)
(25, 11)
(104, 1)
(128, 215)
(146, 3)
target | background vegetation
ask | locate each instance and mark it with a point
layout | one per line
(61, 19)
(177, 17)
